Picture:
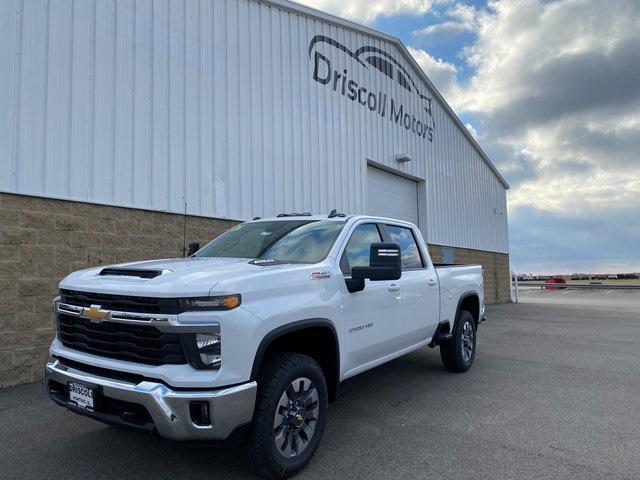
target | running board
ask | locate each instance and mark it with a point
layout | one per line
(442, 335)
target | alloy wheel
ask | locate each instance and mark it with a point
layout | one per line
(467, 341)
(296, 417)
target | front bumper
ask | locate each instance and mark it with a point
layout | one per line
(166, 411)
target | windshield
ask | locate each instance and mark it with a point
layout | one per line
(290, 241)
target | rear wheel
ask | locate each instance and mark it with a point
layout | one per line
(290, 415)
(458, 353)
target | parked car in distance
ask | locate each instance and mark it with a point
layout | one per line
(628, 276)
(579, 276)
(555, 283)
(250, 337)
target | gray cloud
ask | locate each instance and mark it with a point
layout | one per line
(617, 146)
(584, 84)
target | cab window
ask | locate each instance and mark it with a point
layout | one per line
(403, 236)
(358, 248)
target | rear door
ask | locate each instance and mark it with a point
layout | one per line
(373, 317)
(420, 293)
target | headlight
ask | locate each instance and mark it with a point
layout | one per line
(203, 350)
(225, 302)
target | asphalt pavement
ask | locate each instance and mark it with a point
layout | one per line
(554, 394)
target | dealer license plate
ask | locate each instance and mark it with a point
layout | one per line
(81, 395)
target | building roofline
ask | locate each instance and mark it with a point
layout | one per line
(348, 24)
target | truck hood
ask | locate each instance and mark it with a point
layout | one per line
(178, 277)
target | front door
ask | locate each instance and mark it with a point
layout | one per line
(372, 317)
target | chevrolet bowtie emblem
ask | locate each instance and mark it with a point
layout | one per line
(94, 313)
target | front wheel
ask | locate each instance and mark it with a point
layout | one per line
(290, 415)
(458, 353)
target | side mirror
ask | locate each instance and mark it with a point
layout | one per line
(385, 263)
(193, 248)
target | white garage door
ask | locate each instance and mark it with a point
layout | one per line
(392, 196)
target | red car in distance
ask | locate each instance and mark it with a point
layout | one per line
(553, 283)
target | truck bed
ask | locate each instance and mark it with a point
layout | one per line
(456, 281)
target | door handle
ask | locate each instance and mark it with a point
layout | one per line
(394, 287)
(432, 282)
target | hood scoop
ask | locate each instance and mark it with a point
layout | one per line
(131, 272)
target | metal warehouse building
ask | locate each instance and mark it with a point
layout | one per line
(116, 117)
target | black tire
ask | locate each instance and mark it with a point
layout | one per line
(455, 357)
(274, 384)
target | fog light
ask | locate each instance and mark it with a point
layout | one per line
(200, 414)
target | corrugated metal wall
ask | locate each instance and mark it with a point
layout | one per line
(154, 103)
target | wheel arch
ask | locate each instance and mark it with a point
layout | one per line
(294, 337)
(470, 301)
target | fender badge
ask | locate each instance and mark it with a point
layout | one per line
(320, 275)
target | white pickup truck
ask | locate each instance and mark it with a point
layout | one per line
(250, 337)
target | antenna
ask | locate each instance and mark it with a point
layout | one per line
(184, 232)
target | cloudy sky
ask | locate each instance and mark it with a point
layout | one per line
(551, 89)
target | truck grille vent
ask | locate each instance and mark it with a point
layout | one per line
(135, 343)
(122, 303)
